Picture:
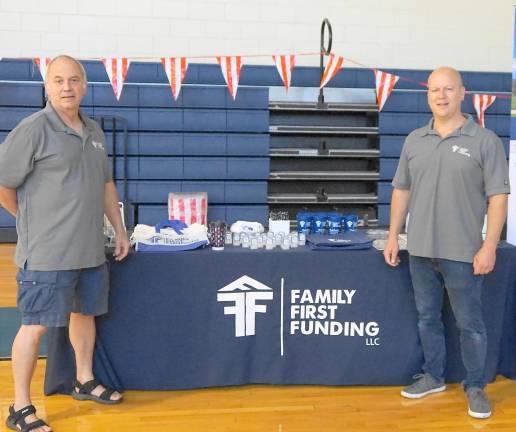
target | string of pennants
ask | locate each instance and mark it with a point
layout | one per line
(176, 68)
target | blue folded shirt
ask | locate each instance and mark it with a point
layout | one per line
(350, 240)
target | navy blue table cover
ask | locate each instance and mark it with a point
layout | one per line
(166, 328)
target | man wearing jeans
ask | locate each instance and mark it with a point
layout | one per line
(450, 173)
(54, 179)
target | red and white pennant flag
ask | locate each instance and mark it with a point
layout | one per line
(42, 63)
(116, 69)
(285, 64)
(175, 68)
(385, 82)
(231, 70)
(482, 102)
(333, 66)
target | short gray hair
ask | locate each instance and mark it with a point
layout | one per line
(67, 57)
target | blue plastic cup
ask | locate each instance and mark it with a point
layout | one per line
(304, 222)
(350, 222)
(319, 223)
(334, 223)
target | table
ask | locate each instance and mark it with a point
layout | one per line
(204, 318)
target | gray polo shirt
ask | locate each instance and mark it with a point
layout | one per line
(60, 180)
(449, 181)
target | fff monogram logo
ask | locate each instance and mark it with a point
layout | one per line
(244, 294)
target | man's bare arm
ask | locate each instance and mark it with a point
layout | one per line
(112, 212)
(484, 260)
(399, 207)
(8, 200)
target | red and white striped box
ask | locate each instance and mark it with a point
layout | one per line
(191, 207)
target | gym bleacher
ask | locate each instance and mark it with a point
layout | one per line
(206, 141)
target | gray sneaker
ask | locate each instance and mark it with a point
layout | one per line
(425, 384)
(478, 404)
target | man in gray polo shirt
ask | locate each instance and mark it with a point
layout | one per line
(451, 172)
(55, 180)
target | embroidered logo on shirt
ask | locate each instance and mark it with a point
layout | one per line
(461, 150)
(97, 145)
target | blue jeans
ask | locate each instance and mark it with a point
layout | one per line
(429, 278)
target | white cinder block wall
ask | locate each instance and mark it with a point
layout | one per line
(414, 34)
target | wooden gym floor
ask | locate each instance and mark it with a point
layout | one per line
(258, 408)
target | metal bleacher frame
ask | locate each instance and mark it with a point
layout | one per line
(324, 167)
(324, 153)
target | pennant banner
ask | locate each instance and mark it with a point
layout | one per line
(116, 69)
(175, 68)
(284, 64)
(42, 63)
(333, 66)
(385, 82)
(231, 70)
(482, 102)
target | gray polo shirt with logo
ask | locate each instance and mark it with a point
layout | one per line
(450, 180)
(60, 180)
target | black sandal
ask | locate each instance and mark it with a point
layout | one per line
(17, 418)
(85, 390)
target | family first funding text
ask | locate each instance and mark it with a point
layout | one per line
(314, 313)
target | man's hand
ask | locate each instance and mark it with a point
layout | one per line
(390, 253)
(112, 212)
(121, 246)
(484, 260)
(399, 206)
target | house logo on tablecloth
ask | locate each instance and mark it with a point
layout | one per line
(244, 293)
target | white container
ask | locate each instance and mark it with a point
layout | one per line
(285, 244)
(279, 226)
(229, 238)
(254, 243)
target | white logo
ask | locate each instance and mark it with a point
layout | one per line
(245, 307)
(97, 145)
(461, 150)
